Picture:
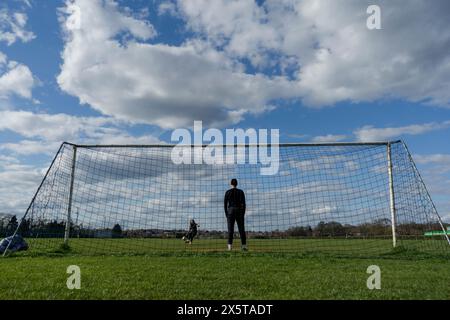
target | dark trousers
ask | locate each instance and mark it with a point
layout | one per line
(191, 234)
(236, 215)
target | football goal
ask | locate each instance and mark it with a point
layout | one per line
(339, 198)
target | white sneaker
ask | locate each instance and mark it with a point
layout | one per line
(229, 247)
(244, 248)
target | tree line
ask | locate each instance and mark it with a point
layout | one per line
(56, 229)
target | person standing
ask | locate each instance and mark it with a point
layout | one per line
(234, 206)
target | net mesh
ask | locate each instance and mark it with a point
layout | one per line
(324, 198)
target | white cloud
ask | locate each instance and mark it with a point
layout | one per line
(297, 136)
(324, 210)
(51, 126)
(44, 132)
(320, 51)
(12, 27)
(370, 133)
(435, 170)
(329, 138)
(28, 147)
(439, 159)
(167, 7)
(17, 184)
(336, 57)
(15, 79)
(27, 3)
(159, 84)
(238, 26)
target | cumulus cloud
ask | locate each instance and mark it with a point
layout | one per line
(336, 57)
(28, 147)
(44, 132)
(434, 158)
(13, 27)
(167, 7)
(15, 79)
(370, 133)
(441, 160)
(155, 83)
(27, 3)
(17, 183)
(329, 138)
(435, 170)
(318, 51)
(240, 28)
(239, 58)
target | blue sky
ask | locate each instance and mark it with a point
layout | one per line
(132, 71)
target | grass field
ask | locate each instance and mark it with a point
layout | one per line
(335, 246)
(202, 273)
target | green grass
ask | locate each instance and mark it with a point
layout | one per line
(167, 269)
(336, 246)
(222, 276)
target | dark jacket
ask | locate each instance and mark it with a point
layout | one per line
(193, 226)
(234, 198)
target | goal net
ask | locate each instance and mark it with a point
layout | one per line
(348, 198)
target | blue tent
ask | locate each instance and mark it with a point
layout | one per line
(17, 244)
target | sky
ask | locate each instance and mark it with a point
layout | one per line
(130, 72)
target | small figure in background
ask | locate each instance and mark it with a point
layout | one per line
(189, 237)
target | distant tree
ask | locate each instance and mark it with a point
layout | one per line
(383, 222)
(117, 231)
(54, 228)
(300, 231)
(2, 229)
(25, 227)
(330, 229)
(320, 229)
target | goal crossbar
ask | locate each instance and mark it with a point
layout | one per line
(171, 145)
